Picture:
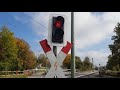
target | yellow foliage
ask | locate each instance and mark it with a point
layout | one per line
(67, 59)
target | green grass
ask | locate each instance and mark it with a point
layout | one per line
(14, 76)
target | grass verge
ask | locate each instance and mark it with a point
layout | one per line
(14, 76)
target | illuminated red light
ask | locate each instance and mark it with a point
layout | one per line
(58, 24)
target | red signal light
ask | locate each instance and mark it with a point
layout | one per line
(58, 24)
(58, 29)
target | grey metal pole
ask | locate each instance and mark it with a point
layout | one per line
(72, 49)
(55, 52)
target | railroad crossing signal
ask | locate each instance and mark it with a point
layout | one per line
(55, 62)
(57, 30)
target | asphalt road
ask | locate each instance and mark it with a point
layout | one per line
(67, 74)
(77, 75)
(96, 75)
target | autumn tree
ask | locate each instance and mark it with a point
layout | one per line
(15, 53)
(66, 62)
(114, 59)
(8, 50)
(26, 58)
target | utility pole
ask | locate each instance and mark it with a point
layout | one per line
(72, 49)
(92, 65)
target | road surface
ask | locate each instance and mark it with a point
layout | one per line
(88, 74)
(94, 75)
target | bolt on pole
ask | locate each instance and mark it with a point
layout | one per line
(72, 49)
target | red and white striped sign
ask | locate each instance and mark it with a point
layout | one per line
(55, 62)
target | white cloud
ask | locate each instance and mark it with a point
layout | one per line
(90, 29)
(94, 29)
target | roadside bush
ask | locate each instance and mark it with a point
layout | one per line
(113, 73)
(2, 66)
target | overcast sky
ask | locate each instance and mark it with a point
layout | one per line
(93, 31)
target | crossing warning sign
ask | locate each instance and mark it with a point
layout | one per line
(55, 62)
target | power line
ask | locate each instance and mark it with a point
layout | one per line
(35, 20)
(39, 16)
(43, 19)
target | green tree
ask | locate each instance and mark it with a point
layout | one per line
(42, 59)
(67, 62)
(86, 63)
(114, 58)
(1, 47)
(8, 49)
(15, 53)
(78, 63)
